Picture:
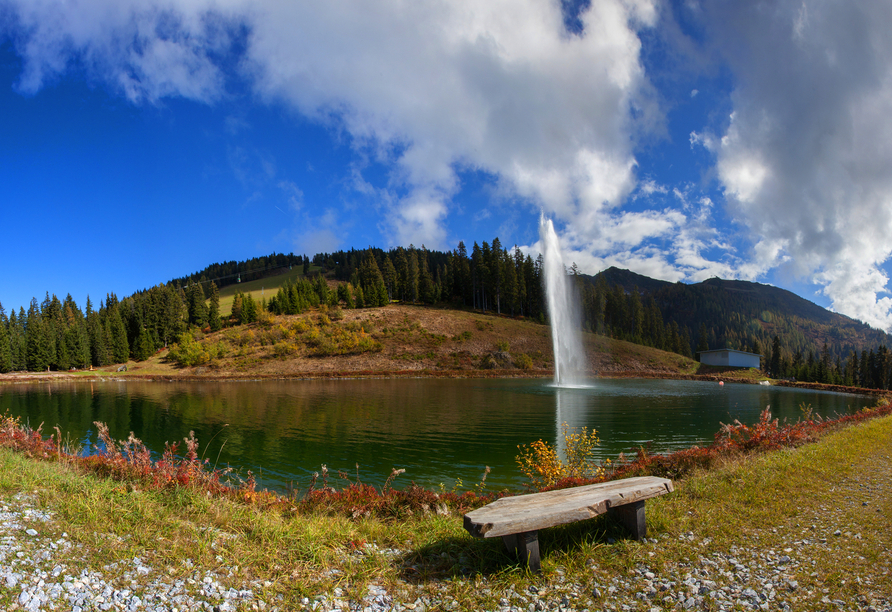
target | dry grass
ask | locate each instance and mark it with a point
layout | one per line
(414, 340)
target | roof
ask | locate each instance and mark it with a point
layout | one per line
(728, 350)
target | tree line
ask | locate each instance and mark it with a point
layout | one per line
(490, 277)
(58, 335)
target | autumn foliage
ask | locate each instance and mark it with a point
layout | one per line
(131, 461)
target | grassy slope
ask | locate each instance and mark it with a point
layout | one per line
(260, 289)
(753, 509)
(413, 339)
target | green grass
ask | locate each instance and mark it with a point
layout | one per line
(759, 504)
(265, 288)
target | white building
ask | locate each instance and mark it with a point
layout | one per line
(731, 358)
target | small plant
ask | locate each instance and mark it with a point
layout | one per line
(523, 361)
(189, 352)
(482, 484)
(284, 349)
(503, 346)
(266, 319)
(539, 461)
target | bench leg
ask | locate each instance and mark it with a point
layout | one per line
(526, 547)
(632, 518)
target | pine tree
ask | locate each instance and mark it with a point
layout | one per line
(5, 347)
(412, 273)
(198, 312)
(237, 308)
(214, 309)
(98, 349)
(144, 347)
(425, 282)
(702, 339)
(390, 277)
(37, 340)
(120, 349)
(775, 357)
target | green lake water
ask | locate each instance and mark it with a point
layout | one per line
(437, 430)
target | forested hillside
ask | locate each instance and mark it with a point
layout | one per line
(796, 338)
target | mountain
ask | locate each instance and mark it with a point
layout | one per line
(719, 313)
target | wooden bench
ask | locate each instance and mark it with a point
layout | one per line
(518, 519)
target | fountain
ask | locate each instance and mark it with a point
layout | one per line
(563, 311)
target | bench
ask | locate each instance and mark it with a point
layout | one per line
(518, 519)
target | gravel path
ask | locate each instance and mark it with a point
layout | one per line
(43, 570)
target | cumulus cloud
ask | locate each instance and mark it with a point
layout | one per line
(431, 88)
(805, 159)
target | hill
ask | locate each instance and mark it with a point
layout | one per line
(401, 339)
(735, 314)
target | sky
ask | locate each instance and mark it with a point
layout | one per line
(142, 140)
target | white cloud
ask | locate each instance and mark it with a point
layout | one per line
(293, 194)
(430, 88)
(805, 161)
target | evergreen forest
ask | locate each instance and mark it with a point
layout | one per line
(796, 338)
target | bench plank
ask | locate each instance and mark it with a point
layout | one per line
(528, 513)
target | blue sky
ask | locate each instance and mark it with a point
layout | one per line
(141, 140)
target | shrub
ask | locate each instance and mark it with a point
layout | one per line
(539, 461)
(503, 346)
(266, 319)
(523, 361)
(300, 326)
(188, 352)
(284, 349)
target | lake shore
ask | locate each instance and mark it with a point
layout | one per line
(106, 374)
(764, 529)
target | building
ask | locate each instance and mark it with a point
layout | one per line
(730, 358)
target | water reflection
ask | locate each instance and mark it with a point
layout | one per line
(440, 431)
(572, 409)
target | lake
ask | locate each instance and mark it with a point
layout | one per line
(439, 431)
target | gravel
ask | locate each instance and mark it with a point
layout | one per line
(42, 571)
(35, 577)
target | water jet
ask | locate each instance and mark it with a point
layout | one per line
(562, 304)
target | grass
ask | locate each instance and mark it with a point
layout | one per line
(264, 288)
(760, 504)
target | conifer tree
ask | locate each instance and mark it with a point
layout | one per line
(96, 337)
(143, 347)
(214, 309)
(412, 274)
(702, 339)
(120, 349)
(249, 309)
(390, 277)
(237, 308)
(39, 353)
(426, 292)
(198, 312)
(5, 347)
(17, 340)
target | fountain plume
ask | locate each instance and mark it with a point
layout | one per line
(563, 311)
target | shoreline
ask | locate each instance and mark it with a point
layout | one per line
(113, 376)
